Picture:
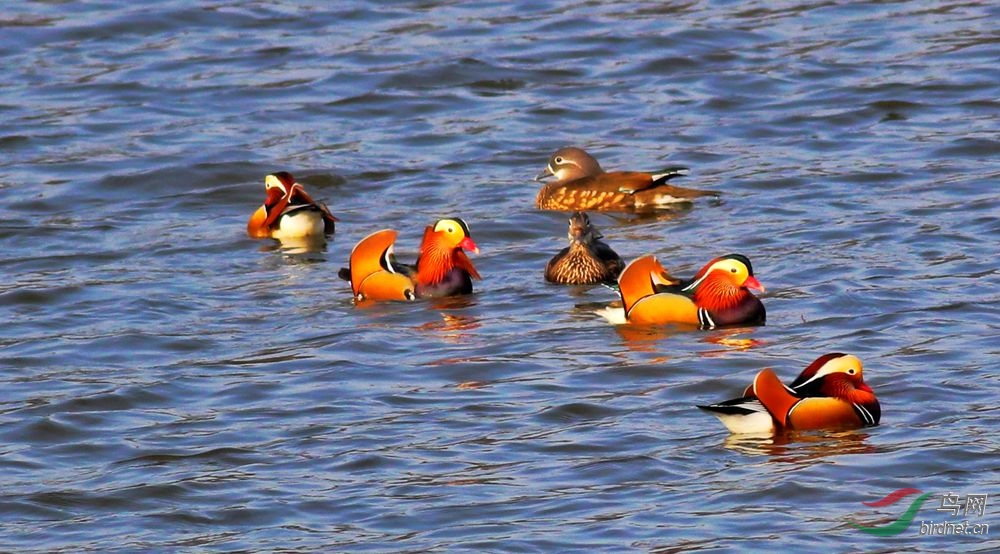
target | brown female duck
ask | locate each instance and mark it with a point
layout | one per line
(587, 260)
(581, 184)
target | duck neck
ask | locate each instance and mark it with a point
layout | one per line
(719, 294)
(842, 388)
(434, 264)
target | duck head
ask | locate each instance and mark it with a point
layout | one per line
(724, 282)
(580, 229)
(281, 190)
(568, 164)
(443, 249)
(835, 374)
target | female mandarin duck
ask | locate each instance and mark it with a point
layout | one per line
(587, 260)
(717, 295)
(289, 212)
(442, 268)
(830, 393)
(581, 184)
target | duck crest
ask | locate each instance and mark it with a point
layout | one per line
(808, 379)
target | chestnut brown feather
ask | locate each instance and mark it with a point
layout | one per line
(587, 260)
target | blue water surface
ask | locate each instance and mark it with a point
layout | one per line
(172, 385)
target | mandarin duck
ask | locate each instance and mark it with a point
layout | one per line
(581, 184)
(442, 268)
(718, 295)
(587, 260)
(829, 393)
(289, 212)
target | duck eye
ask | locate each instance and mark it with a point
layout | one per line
(850, 372)
(733, 270)
(559, 160)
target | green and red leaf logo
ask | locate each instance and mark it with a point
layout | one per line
(904, 520)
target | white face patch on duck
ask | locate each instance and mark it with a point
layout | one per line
(561, 167)
(847, 364)
(728, 265)
(275, 181)
(557, 173)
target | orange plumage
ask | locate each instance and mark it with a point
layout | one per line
(829, 393)
(373, 275)
(442, 268)
(717, 295)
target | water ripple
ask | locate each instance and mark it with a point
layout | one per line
(171, 384)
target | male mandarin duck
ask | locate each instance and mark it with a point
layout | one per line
(289, 212)
(719, 294)
(581, 184)
(587, 260)
(442, 268)
(830, 393)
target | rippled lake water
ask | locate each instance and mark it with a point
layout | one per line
(169, 384)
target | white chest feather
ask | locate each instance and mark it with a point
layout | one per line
(301, 223)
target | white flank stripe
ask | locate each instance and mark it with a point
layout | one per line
(705, 319)
(865, 414)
